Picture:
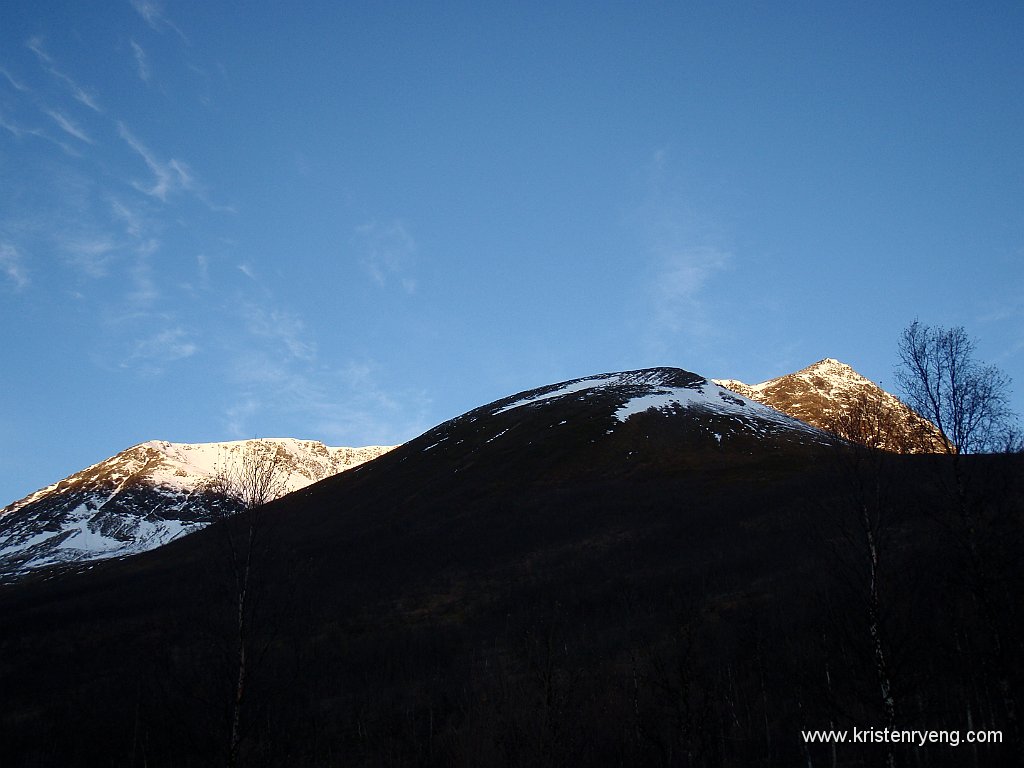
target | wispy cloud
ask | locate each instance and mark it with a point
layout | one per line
(285, 330)
(154, 15)
(680, 277)
(35, 44)
(11, 128)
(683, 260)
(68, 126)
(132, 221)
(278, 377)
(239, 416)
(388, 254)
(12, 266)
(144, 291)
(170, 176)
(1002, 316)
(90, 253)
(18, 131)
(16, 84)
(370, 410)
(151, 355)
(345, 406)
(141, 62)
(203, 265)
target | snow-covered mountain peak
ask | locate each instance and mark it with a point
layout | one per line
(147, 495)
(830, 368)
(829, 363)
(664, 391)
(646, 381)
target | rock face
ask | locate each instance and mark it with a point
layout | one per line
(832, 396)
(144, 497)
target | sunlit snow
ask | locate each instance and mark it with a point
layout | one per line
(78, 519)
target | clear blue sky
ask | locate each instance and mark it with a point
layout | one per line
(350, 221)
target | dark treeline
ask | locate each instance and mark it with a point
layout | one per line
(651, 619)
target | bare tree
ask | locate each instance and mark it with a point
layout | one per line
(943, 381)
(968, 401)
(252, 483)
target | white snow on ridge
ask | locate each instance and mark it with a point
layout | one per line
(634, 378)
(708, 397)
(575, 386)
(79, 519)
(658, 396)
(668, 398)
(187, 463)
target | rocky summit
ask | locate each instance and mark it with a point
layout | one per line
(829, 393)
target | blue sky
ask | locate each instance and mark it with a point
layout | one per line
(352, 221)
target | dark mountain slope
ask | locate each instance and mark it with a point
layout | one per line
(560, 577)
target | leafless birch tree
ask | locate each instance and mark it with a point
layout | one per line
(255, 481)
(968, 401)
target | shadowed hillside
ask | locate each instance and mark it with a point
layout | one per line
(631, 569)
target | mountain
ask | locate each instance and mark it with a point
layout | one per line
(144, 497)
(713, 415)
(157, 491)
(831, 395)
(638, 568)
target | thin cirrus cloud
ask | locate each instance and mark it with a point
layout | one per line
(15, 83)
(683, 261)
(170, 176)
(152, 353)
(153, 14)
(16, 131)
(80, 94)
(144, 292)
(91, 254)
(133, 223)
(342, 406)
(102, 233)
(65, 123)
(141, 62)
(285, 330)
(12, 266)
(277, 375)
(677, 291)
(388, 254)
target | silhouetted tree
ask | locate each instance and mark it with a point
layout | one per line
(968, 401)
(259, 478)
(943, 381)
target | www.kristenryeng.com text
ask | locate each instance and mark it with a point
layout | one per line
(917, 737)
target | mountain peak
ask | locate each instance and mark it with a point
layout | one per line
(831, 367)
(144, 497)
(823, 392)
(609, 423)
(828, 364)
